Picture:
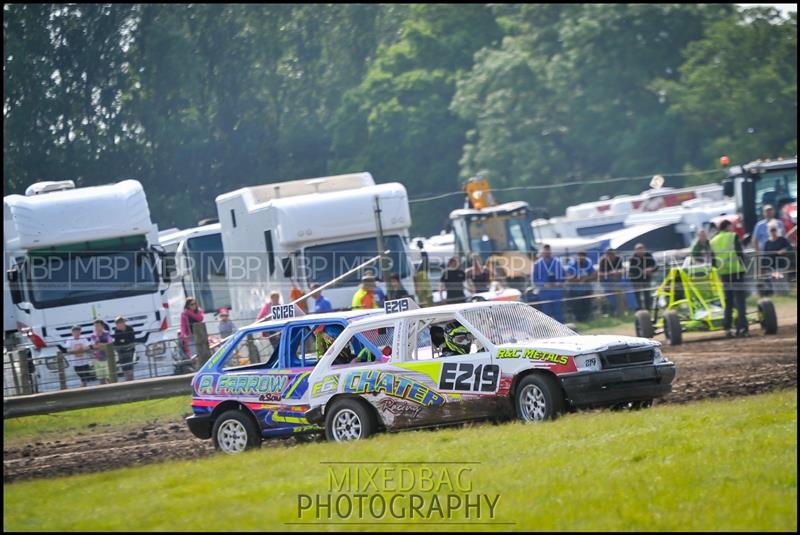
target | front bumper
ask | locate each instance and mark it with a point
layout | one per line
(199, 425)
(619, 385)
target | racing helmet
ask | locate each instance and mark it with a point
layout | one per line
(457, 338)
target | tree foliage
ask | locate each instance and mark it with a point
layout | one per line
(199, 99)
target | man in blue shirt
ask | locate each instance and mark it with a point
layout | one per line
(548, 275)
(760, 232)
(321, 304)
(580, 272)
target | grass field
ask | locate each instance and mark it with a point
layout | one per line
(58, 424)
(715, 465)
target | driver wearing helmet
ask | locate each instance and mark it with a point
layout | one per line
(457, 340)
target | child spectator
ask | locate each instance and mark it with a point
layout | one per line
(125, 345)
(226, 326)
(81, 362)
(99, 340)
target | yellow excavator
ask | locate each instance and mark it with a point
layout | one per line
(499, 233)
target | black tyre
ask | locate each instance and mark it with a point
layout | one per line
(672, 328)
(235, 431)
(538, 398)
(644, 325)
(769, 320)
(349, 419)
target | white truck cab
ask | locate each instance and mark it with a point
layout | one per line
(75, 255)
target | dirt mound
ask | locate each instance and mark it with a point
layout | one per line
(709, 366)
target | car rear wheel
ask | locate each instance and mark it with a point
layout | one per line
(766, 313)
(347, 420)
(235, 432)
(644, 325)
(672, 328)
(538, 398)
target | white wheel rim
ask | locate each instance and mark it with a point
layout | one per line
(532, 403)
(346, 425)
(232, 436)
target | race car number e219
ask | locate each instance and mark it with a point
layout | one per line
(467, 377)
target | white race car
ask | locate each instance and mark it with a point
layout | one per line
(454, 363)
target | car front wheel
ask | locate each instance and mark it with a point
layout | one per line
(538, 398)
(348, 420)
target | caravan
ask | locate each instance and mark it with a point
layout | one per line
(288, 235)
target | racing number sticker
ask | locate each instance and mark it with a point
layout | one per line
(467, 377)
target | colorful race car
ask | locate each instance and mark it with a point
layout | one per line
(254, 384)
(441, 365)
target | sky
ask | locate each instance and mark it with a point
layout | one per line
(785, 8)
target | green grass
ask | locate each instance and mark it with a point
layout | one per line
(16, 430)
(715, 465)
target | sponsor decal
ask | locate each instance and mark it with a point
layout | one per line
(532, 354)
(328, 385)
(228, 385)
(399, 408)
(373, 381)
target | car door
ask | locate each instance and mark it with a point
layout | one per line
(468, 382)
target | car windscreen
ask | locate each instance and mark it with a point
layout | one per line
(516, 323)
(324, 263)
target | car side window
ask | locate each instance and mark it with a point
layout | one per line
(370, 346)
(427, 339)
(308, 343)
(260, 348)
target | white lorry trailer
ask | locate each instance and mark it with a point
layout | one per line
(74, 255)
(291, 234)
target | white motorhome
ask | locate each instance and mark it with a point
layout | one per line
(195, 262)
(74, 255)
(594, 218)
(286, 234)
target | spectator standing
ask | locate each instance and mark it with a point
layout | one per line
(266, 310)
(422, 283)
(192, 313)
(701, 248)
(452, 281)
(761, 232)
(477, 275)
(729, 259)
(609, 272)
(396, 289)
(365, 295)
(226, 326)
(580, 273)
(81, 362)
(548, 275)
(321, 304)
(99, 340)
(777, 251)
(640, 272)
(125, 345)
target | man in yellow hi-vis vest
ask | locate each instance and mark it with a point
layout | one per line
(729, 260)
(365, 295)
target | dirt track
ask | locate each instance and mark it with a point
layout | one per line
(709, 366)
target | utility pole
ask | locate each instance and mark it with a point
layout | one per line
(381, 250)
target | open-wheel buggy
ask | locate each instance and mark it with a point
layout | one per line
(691, 298)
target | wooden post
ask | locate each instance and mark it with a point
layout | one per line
(62, 372)
(112, 363)
(201, 343)
(17, 386)
(252, 351)
(24, 363)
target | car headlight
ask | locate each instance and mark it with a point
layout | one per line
(588, 362)
(658, 356)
